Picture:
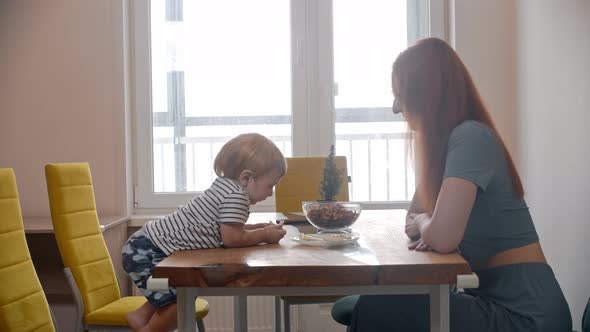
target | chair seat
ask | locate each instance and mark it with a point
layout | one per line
(342, 310)
(310, 299)
(586, 318)
(113, 314)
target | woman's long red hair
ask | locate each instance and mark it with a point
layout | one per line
(438, 94)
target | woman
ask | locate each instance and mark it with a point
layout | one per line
(469, 199)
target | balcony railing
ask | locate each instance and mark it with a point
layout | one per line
(377, 161)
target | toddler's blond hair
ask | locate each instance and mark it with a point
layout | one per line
(251, 151)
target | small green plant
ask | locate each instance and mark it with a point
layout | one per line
(331, 180)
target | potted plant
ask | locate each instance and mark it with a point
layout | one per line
(327, 214)
(331, 180)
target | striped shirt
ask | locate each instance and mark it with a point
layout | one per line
(197, 225)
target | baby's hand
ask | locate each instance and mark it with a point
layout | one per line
(274, 233)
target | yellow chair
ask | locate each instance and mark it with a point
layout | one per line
(301, 183)
(23, 306)
(87, 262)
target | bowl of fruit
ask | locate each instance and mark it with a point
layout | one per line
(331, 216)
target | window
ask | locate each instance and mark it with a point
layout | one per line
(306, 73)
(367, 131)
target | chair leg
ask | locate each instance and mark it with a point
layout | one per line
(287, 316)
(79, 318)
(53, 319)
(277, 314)
(200, 326)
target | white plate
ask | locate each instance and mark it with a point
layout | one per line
(326, 239)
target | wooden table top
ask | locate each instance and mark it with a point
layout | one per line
(380, 257)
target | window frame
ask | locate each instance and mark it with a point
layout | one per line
(313, 126)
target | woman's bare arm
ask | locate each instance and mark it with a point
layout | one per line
(444, 230)
(415, 206)
(412, 230)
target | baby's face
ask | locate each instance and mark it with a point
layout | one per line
(261, 187)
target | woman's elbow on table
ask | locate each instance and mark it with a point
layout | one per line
(440, 243)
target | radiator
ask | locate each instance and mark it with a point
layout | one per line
(261, 313)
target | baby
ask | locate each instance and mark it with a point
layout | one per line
(248, 167)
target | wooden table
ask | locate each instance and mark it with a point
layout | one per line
(379, 264)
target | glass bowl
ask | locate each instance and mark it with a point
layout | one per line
(331, 216)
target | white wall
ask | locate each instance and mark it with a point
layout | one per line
(482, 33)
(554, 106)
(62, 100)
(62, 96)
(530, 60)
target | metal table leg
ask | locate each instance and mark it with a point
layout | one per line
(439, 308)
(185, 309)
(240, 313)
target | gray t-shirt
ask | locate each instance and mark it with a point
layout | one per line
(499, 219)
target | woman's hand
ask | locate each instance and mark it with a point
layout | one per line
(420, 245)
(413, 224)
(412, 230)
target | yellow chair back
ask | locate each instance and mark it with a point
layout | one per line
(23, 306)
(302, 181)
(78, 234)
